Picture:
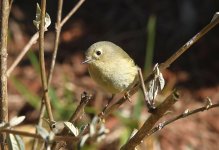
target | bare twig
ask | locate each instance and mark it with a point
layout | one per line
(150, 122)
(185, 114)
(77, 6)
(32, 41)
(40, 122)
(42, 61)
(166, 64)
(10, 4)
(85, 98)
(59, 25)
(4, 14)
(33, 135)
(150, 104)
(58, 30)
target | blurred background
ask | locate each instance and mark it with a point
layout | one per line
(150, 32)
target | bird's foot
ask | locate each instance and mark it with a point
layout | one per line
(127, 97)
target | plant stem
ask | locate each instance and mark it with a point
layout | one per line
(58, 30)
(23, 52)
(5, 9)
(77, 6)
(42, 61)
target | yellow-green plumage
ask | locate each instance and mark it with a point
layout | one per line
(111, 67)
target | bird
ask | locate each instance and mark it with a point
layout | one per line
(111, 67)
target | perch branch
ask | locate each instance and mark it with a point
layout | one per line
(150, 122)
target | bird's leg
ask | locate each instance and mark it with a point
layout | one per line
(127, 96)
(108, 102)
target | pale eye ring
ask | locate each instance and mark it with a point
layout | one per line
(98, 53)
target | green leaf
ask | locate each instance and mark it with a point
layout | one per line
(151, 32)
(34, 61)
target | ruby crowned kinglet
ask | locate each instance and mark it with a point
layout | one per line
(111, 67)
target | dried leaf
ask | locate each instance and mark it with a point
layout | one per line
(71, 128)
(208, 103)
(133, 133)
(83, 140)
(42, 132)
(216, 15)
(37, 21)
(155, 85)
(15, 142)
(185, 112)
(16, 120)
(3, 125)
(92, 130)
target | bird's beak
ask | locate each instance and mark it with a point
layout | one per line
(87, 60)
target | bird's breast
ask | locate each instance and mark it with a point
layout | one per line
(114, 77)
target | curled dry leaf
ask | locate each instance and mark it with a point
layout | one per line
(16, 121)
(15, 142)
(71, 128)
(208, 103)
(42, 132)
(155, 85)
(37, 21)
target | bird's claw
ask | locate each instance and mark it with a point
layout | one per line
(127, 97)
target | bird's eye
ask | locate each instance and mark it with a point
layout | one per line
(98, 53)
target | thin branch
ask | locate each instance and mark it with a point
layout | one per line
(32, 41)
(4, 14)
(10, 4)
(150, 122)
(42, 61)
(150, 104)
(183, 115)
(166, 64)
(58, 30)
(40, 122)
(33, 135)
(77, 6)
(85, 98)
